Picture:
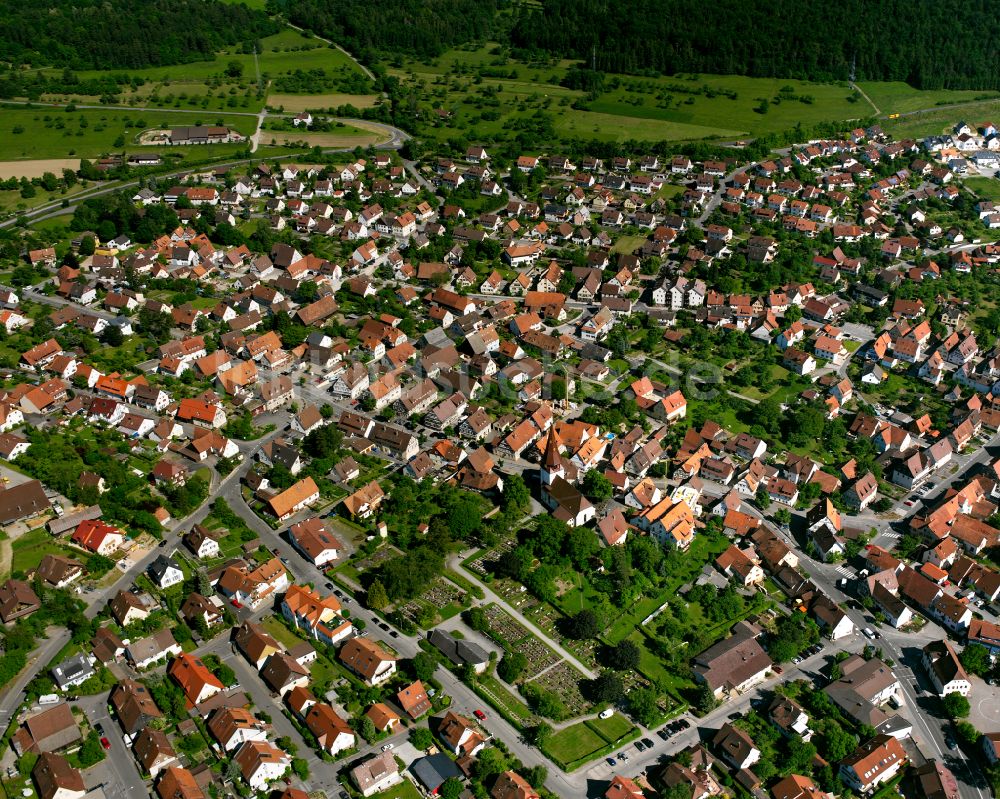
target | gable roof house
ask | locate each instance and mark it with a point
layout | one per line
(460, 735)
(49, 730)
(873, 763)
(194, 678)
(368, 660)
(733, 665)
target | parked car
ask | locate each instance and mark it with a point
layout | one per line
(105, 743)
(386, 747)
(611, 761)
(479, 714)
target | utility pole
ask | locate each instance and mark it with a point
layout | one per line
(256, 66)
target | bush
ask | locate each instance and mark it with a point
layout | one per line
(512, 666)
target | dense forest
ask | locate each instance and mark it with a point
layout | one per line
(425, 28)
(926, 43)
(117, 34)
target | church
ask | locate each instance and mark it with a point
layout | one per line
(558, 494)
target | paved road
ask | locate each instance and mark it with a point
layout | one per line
(118, 773)
(37, 660)
(56, 301)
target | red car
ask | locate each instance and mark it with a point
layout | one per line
(236, 604)
(479, 715)
(105, 743)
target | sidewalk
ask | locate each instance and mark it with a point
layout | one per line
(456, 564)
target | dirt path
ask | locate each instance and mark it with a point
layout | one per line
(861, 91)
(6, 557)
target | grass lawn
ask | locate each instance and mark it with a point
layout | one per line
(405, 790)
(650, 665)
(625, 624)
(323, 674)
(573, 743)
(204, 303)
(30, 548)
(628, 244)
(280, 631)
(986, 188)
(612, 729)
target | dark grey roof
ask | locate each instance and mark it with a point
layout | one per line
(159, 567)
(459, 652)
(434, 770)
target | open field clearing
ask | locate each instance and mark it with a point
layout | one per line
(294, 103)
(37, 167)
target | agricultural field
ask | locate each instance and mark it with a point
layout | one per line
(57, 133)
(343, 135)
(621, 127)
(294, 103)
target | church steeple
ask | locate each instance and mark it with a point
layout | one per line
(552, 463)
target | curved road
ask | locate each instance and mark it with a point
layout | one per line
(393, 141)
